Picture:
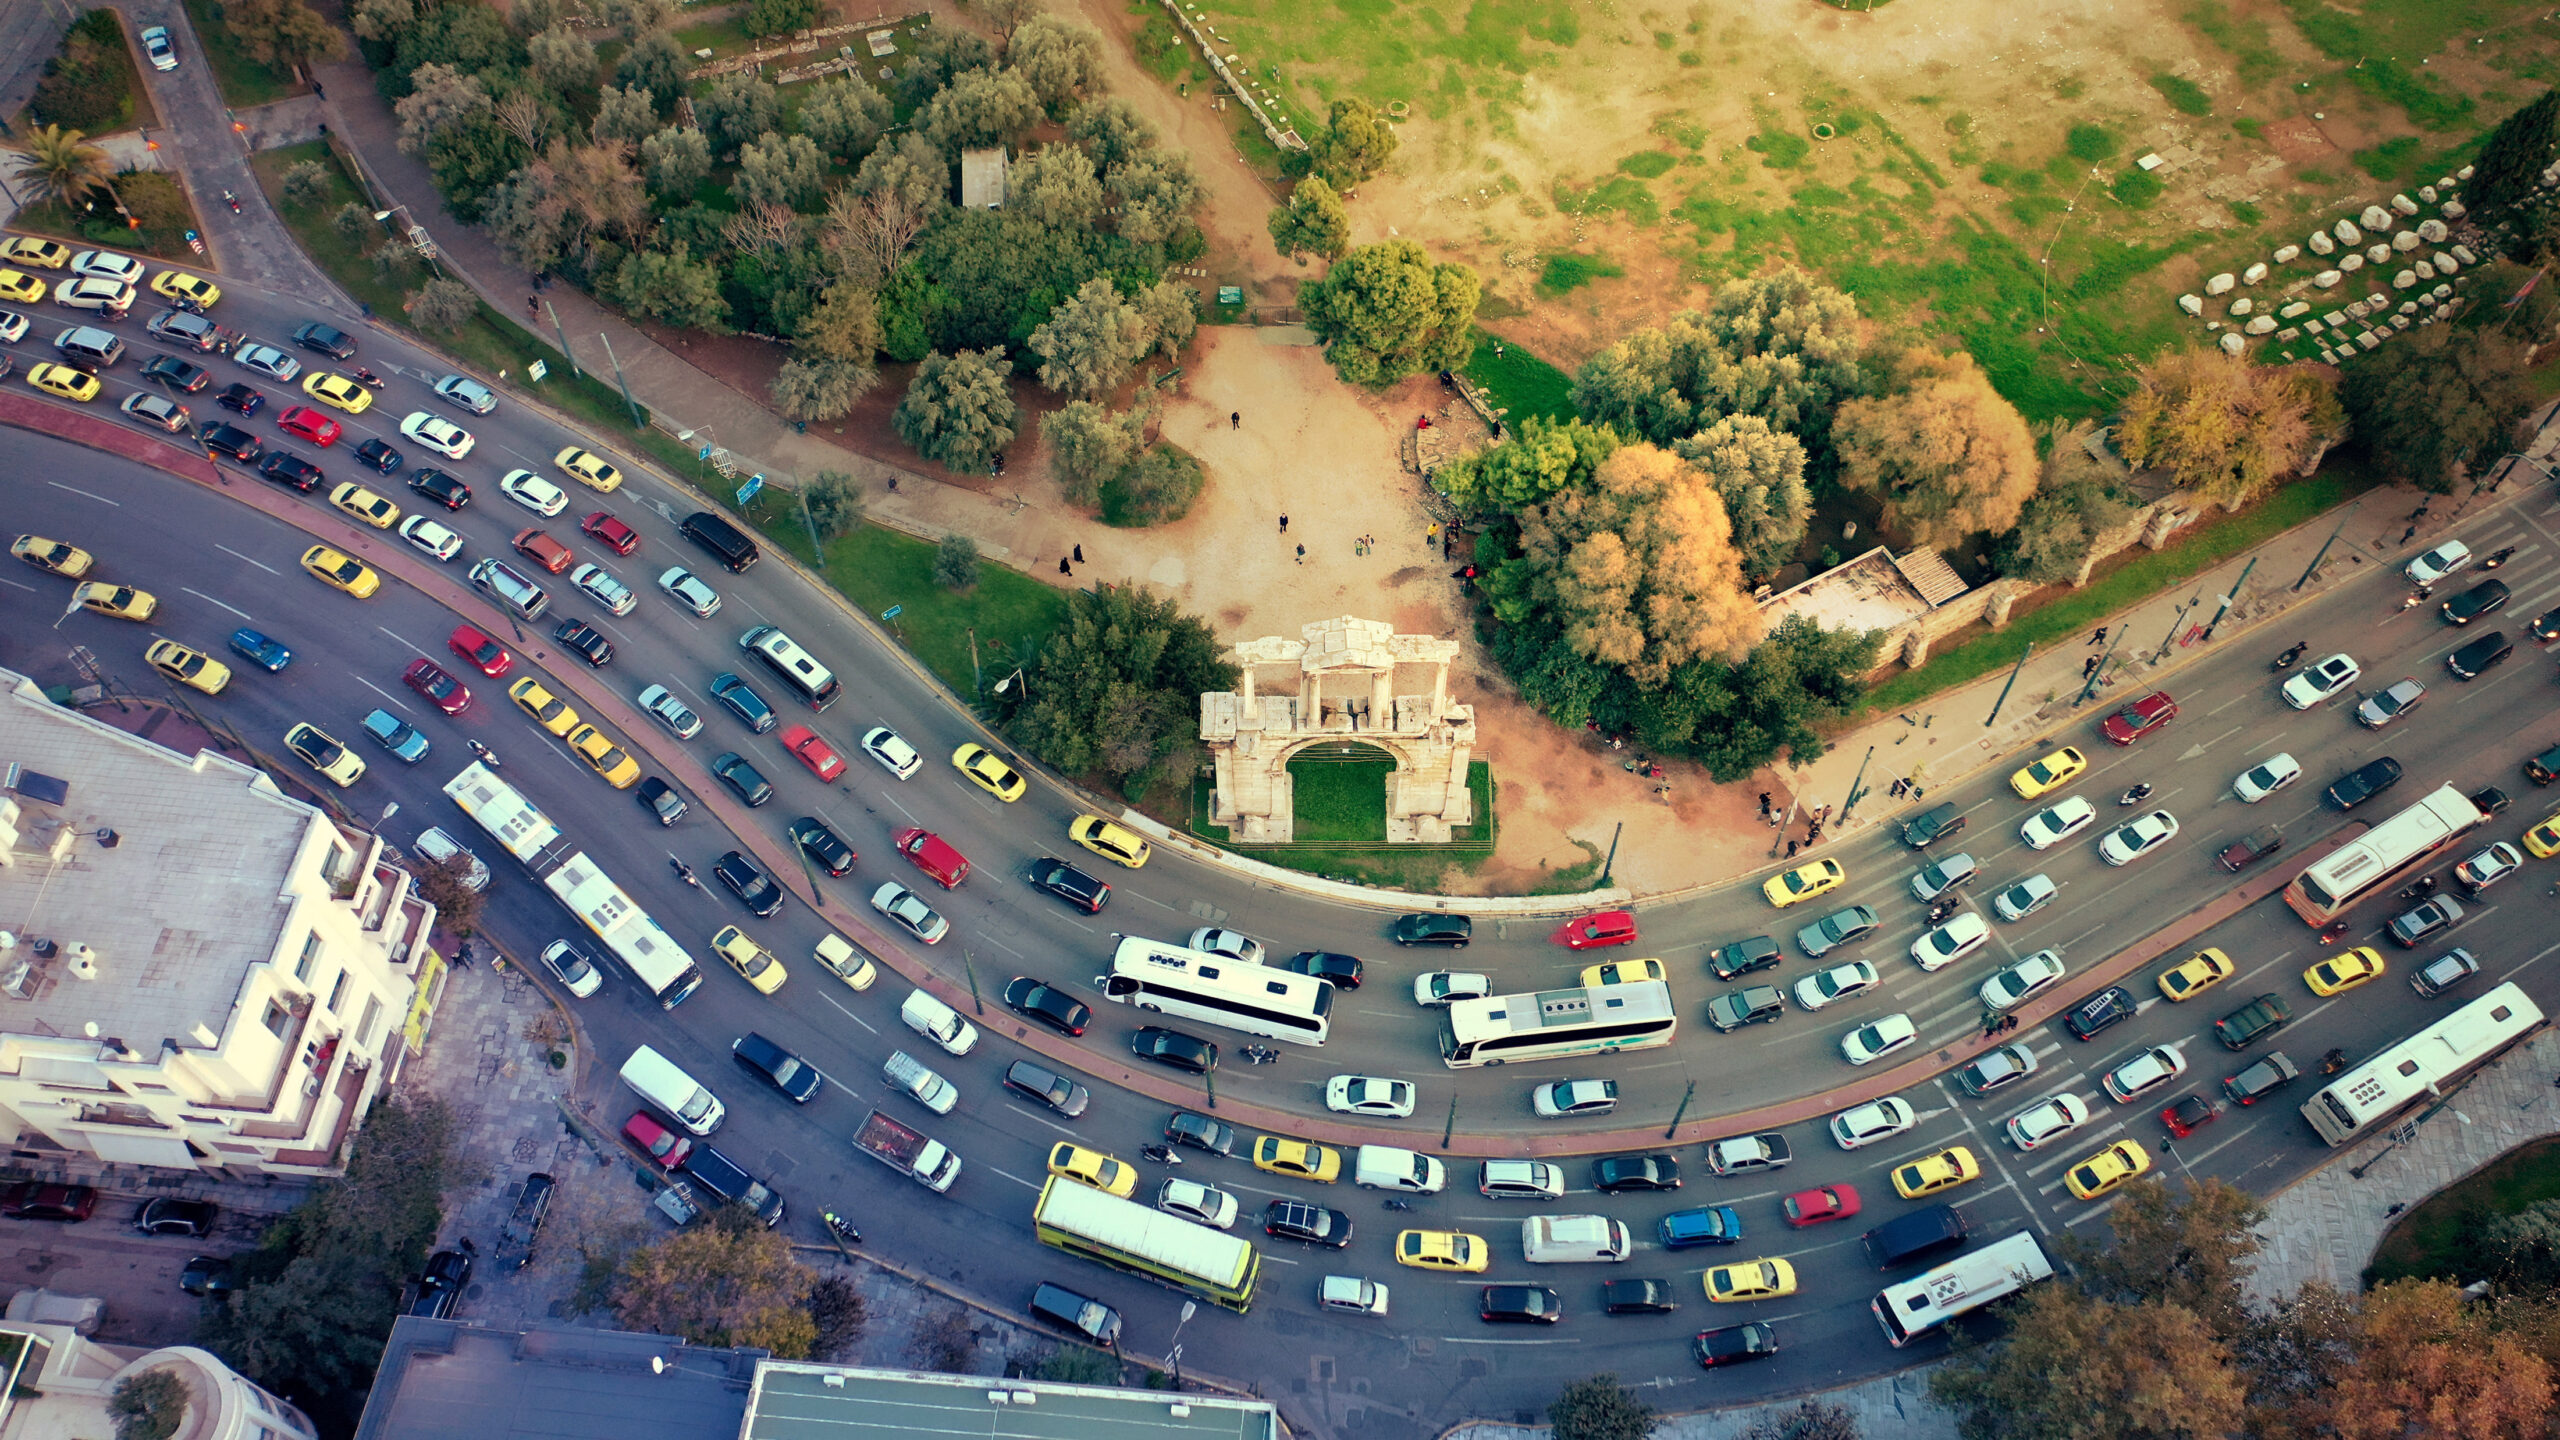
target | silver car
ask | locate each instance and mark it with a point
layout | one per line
(662, 704)
(468, 393)
(687, 590)
(2384, 706)
(267, 360)
(1236, 946)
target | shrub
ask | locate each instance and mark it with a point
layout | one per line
(2183, 94)
(1156, 489)
(955, 563)
(2092, 143)
(441, 304)
(305, 185)
(1566, 273)
(2137, 188)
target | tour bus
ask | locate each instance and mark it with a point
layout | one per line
(1148, 1243)
(2381, 855)
(1968, 1282)
(1554, 1024)
(1257, 999)
(2420, 1067)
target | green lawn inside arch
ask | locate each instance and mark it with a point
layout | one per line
(1341, 806)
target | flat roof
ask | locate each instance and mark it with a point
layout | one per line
(445, 1380)
(829, 1402)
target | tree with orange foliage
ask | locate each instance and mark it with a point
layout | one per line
(1948, 455)
(2430, 1363)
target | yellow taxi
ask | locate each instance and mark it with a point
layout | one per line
(604, 757)
(548, 710)
(323, 753)
(339, 572)
(1931, 1174)
(337, 391)
(2107, 1169)
(64, 381)
(754, 963)
(1092, 1167)
(2543, 840)
(21, 287)
(1300, 1158)
(1621, 972)
(2346, 972)
(1112, 842)
(29, 250)
(2198, 973)
(52, 556)
(179, 285)
(366, 506)
(1751, 1280)
(192, 668)
(588, 469)
(1818, 877)
(1443, 1250)
(117, 602)
(989, 773)
(2049, 774)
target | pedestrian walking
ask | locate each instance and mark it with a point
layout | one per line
(1764, 802)
(2409, 534)
(532, 307)
(1915, 792)
(1062, 566)
(1791, 849)
(1079, 554)
(2100, 638)
(1302, 554)
(467, 1247)
(1284, 524)
(2088, 667)
(1235, 419)
(1431, 535)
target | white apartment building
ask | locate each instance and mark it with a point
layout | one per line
(59, 1381)
(197, 971)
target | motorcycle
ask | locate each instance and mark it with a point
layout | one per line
(1259, 1054)
(2337, 931)
(2285, 660)
(1941, 912)
(2500, 558)
(2134, 796)
(2427, 885)
(1394, 1204)
(2333, 1062)
(487, 756)
(231, 200)
(1161, 1154)
(842, 1228)
(685, 873)
(367, 378)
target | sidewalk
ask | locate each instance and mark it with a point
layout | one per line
(1896, 1406)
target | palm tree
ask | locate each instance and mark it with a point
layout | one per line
(60, 165)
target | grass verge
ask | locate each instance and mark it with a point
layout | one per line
(1009, 614)
(1519, 383)
(1341, 807)
(244, 82)
(2439, 1237)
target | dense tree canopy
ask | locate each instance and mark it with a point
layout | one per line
(1387, 311)
(724, 1280)
(1946, 453)
(2513, 157)
(957, 410)
(2439, 396)
(1059, 58)
(1117, 689)
(1759, 473)
(1088, 344)
(2075, 502)
(1540, 458)
(1780, 347)
(2224, 428)
(1357, 143)
(1313, 222)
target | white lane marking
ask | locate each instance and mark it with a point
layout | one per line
(1480, 1340)
(1027, 1185)
(385, 694)
(234, 609)
(405, 642)
(1276, 1259)
(76, 490)
(849, 1015)
(1042, 1120)
(236, 555)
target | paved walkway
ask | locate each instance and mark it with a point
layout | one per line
(1894, 1407)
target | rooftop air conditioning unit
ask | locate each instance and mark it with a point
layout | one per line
(84, 961)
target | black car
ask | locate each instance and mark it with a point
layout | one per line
(2546, 626)
(586, 640)
(822, 844)
(1048, 1087)
(1342, 970)
(2475, 602)
(1070, 884)
(744, 780)
(1736, 1343)
(312, 335)
(2477, 658)
(2490, 799)
(1614, 1174)
(797, 1079)
(748, 882)
(443, 489)
(441, 1284)
(381, 457)
(2365, 782)
(1933, 824)
(1056, 1009)
(1450, 930)
(1201, 1133)
(1637, 1297)
(2106, 1009)
(1090, 1318)
(289, 469)
(176, 1217)
(181, 375)
(241, 397)
(1314, 1224)
(209, 1275)
(1172, 1047)
(662, 800)
(2252, 1022)
(2251, 1085)
(223, 438)
(1519, 1304)
(1732, 962)
(743, 702)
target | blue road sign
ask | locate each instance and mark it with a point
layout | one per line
(748, 491)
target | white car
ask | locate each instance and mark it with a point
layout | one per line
(2488, 867)
(1951, 942)
(892, 751)
(107, 264)
(671, 712)
(1436, 988)
(2014, 985)
(440, 848)
(439, 434)
(1840, 982)
(682, 585)
(2266, 778)
(93, 292)
(468, 393)
(2025, 898)
(1369, 1095)
(2321, 681)
(2050, 827)
(2427, 569)
(1874, 1041)
(156, 44)
(2145, 1072)
(2044, 1121)
(13, 326)
(1558, 1099)
(1352, 1294)
(602, 588)
(1194, 1201)
(900, 904)
(530, 490)
(1876, 1120)
(431, 537)
(269, 361)
(1234, 944)
(158, 410)
(2128, 843)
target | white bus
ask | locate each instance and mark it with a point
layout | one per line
(1553, 1024)
(2362, 1100)
(616, 920)
(1968, 1282)
(1257, 999)
(1148, 1243)
(2381, 855)
(511, 820)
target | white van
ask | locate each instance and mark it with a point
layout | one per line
(1384, 1167)
(919, 1080)
(938, 1023)
(663, 1083)
(793, 666)
(1574, 1239)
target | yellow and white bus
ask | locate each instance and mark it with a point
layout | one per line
(1148, 1243)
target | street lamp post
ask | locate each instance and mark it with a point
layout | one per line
(1174, 1354)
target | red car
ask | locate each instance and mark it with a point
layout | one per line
(486, 655)
(32, 1200)
(610, 533)
(2140, 718)
(1826, 1202)
(2188, 1116)
(310, 424)
(665, 1146)
(813, 750)
(934, 856)
(437, 684)
(1609, 927)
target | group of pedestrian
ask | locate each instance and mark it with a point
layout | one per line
(2001, 1026)
(1902, 787)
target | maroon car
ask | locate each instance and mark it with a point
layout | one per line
(611, 533)
(2251, 848)
(2140, 718)
(438, 685)
(32, 1200)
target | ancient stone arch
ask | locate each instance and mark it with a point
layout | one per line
(1355, 680)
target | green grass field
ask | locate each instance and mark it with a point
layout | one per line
(1340, 807)
(2434, 1240)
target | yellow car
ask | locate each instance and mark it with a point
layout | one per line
(120, 602)
(548, 710)
(754, 963)
(1804, 882)
(1621, 972)
(366, 506)
(52, 556)
(2049, 774)
(989, 773)
(2107, 1169)
(605, 758)
(1092, 1167)
(179, 285)
(324, 754)
(1930, 1174)
(42, 254)
(1306, 1161)
(588, 469)
(341, 573)
(64, 381)
(21, 287)
(2346, 972)
(2201, 972)
(2543, 840)
(191, 668)
(1115, 842)
(1751, 1280)
(337, 391)
(1443, 1250)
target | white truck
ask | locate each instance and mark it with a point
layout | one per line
(908, 1152)
(919, 1080)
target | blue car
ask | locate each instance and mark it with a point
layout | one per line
(1706, 1225)
(268, 654)
(396, 735)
